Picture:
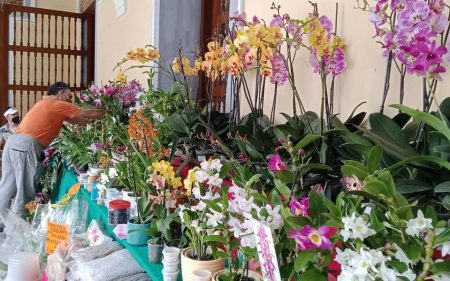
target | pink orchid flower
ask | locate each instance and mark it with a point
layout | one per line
(275, 163)
(299, 208)
(309, 238)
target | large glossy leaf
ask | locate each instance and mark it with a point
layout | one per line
(373, 160)
(443, 187)
(400, 152)
(309, 138)
(313, 274)
(442, 148)
(302, 260)
(178, 123)
(377, 188)
(446, 201)
(356, 120)
(387, 129)
(439, 267)
(406, 186)
(401, 119)
(421, 158)
(427, 118)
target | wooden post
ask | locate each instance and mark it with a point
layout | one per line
(88, 50)
(4, 61)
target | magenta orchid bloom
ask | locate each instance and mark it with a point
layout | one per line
(97, 102)
(309, 238)
(275, 163)
(299, 208)
(318, 187)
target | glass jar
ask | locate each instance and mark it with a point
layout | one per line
(118, 212)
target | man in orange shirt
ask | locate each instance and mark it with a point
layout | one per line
(36, 131)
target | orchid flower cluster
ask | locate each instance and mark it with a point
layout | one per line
(327, 50)
(205, 182)
(166, 184)
(124, 94)
(109, 177)
(411, 30)
(394, 260)
(250, 47)
(219, 206)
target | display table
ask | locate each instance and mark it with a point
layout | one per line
(100, 213)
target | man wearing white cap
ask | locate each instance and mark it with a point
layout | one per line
(13, 120)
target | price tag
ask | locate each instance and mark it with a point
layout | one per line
(266, 252)
(74, 189)
(56, 232)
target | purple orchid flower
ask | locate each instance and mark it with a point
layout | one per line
(309, 238)
(299, 208)
(275, 163)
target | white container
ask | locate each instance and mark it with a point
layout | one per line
(171, 252)
(201, 275)
(170, 267)
(171, 259)
(24, 267)
(170, 276)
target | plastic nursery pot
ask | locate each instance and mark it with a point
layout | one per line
(23, 266)
(251, 275)
(189, 265)
(201, 275)
(137, 233)
(155, 252)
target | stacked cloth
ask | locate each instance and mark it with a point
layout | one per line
(104, 262)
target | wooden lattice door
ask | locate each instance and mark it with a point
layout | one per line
(39, 47)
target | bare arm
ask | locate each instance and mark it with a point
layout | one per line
(86, 115)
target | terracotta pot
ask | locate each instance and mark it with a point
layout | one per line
(251, 274)
(189, 265)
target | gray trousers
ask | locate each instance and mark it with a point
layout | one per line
(20, 160)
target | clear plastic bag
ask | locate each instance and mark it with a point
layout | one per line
(17, 236)
(74, 214)
(56, 269)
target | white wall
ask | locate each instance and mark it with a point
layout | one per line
(116, 35)
(363, 80)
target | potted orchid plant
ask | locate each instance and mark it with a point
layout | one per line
(167, 190)
(201, 221)
(370, 231)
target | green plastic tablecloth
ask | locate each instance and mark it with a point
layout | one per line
(140, 253)
(66, 180)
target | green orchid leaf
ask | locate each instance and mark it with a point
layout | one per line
(387, 179)
(215, 238)
(427, 118)
(298, 222)
(412, 251)
(422, 158)
(407, 186)
(309, 138)
(376, 188)
(213, 205)
(442, 148)
(302, 260)
(374, 158)
(286, 176)
(351, 171)
(443, 187)
(440, 267)
(386, 128)
(400, 152)
(282, 188)
(313, 274)
(443, 237)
